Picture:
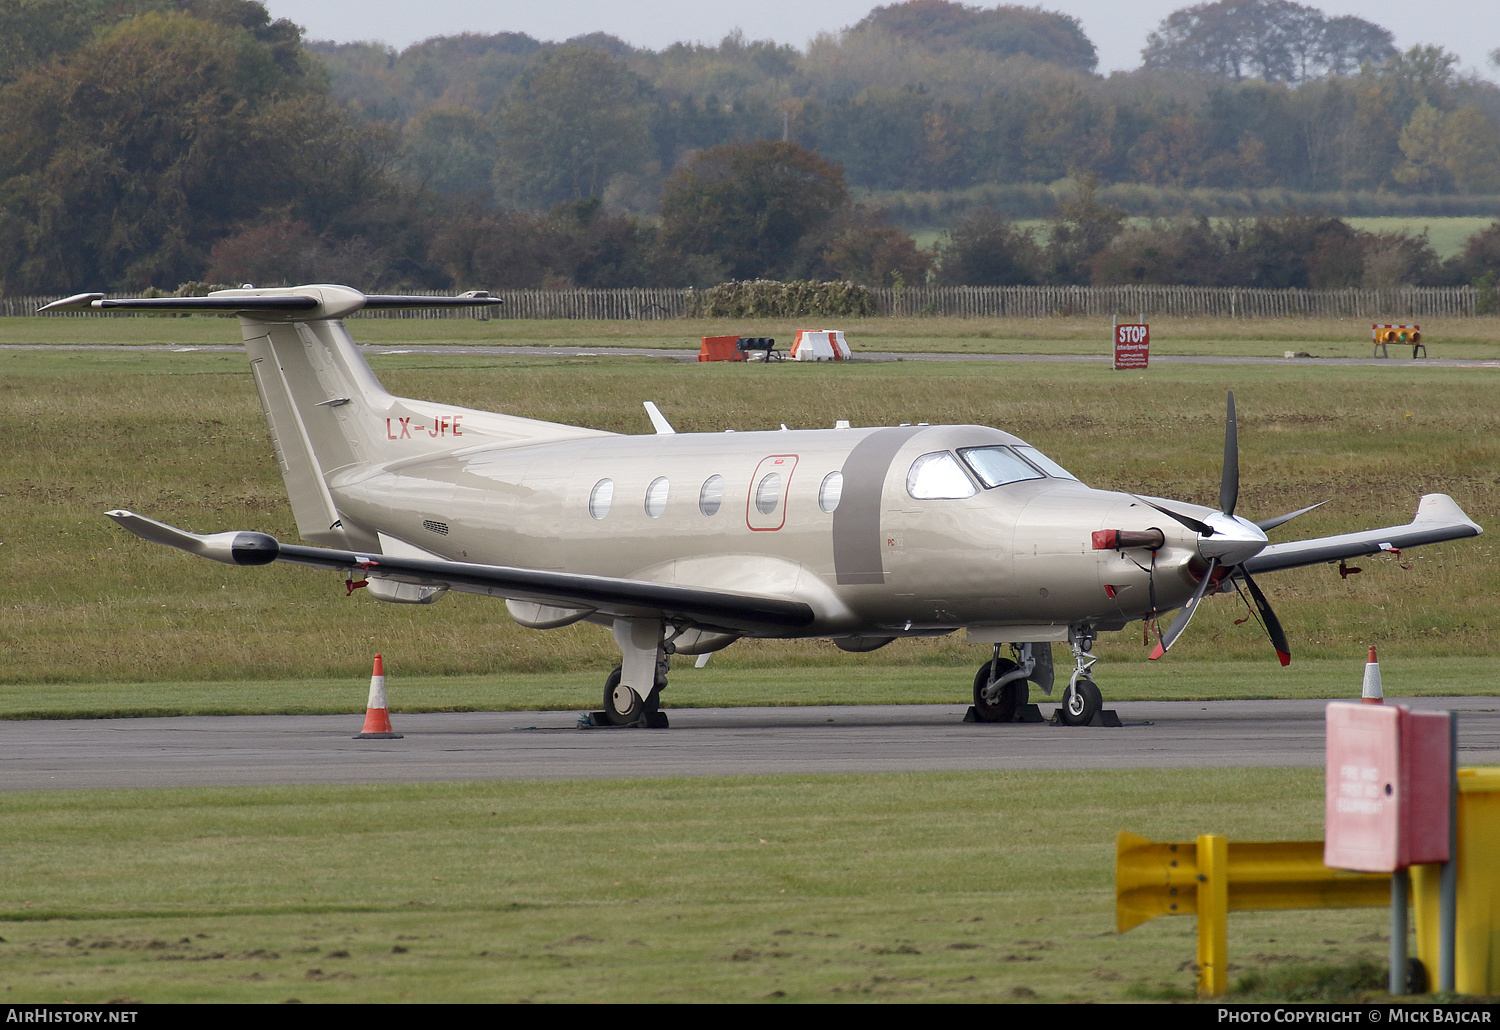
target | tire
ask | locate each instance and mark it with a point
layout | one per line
(1080, 703)
(622, 705)
(1012, 695)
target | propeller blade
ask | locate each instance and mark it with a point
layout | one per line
(1201, 528)
(1229, 484)
(1271, 622)
(1280, 520)
(1186, 615)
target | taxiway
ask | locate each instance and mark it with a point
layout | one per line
(251, 750)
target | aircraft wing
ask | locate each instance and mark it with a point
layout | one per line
(745, 613)
(1438, 518)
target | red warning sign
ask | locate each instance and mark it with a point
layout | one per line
(1132, 345)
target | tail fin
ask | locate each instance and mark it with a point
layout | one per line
(325, 409)
(328, 413)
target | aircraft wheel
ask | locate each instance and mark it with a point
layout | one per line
(622, 705)
(1012, 695)
(1081, 703)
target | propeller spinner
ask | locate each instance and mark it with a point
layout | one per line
(1227, 541)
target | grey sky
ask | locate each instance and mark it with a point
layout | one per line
(1468, 28)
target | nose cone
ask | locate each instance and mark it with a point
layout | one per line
(1234, 540)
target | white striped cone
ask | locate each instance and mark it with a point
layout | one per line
(377, 711)
(1372, 694)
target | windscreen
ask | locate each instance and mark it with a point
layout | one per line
(996, 466)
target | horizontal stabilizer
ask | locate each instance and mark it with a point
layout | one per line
(297, 303)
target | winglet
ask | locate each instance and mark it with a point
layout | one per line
(1442, 509)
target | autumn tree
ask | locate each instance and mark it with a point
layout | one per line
(750, 206)
(1006, 30)
(35, 32)
(1082, 229)
(985, 248)
(1269, 39)
(575, 119)
(122, 163)
(451, 149)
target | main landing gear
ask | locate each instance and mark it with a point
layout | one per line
(624, 707)
(1000, 685)
(632, 692)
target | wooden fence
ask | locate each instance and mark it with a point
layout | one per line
(969, 302)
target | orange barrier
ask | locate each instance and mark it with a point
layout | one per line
(720, 348)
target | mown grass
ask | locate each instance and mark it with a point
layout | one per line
(1460, 338)
(180, 437)
(933, 677)
(962, 887)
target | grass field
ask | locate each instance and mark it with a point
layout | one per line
(179, 436)
(1458, 338)
(1447, 235)
(929, 887)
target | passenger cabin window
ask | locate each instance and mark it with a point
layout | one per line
(600, 496)
(996, 466)
(1045, 463)
(711, 496)
(768, 493)
(656, 497)
(939, 476)
(830, 492)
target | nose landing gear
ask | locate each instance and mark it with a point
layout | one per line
(1082, 703)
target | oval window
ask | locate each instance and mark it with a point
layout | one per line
(939, 475)
(768, 493)
(711, 496)
(600, 496)
(831, 490)
(656, 497)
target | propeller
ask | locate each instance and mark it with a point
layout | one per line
(1226, 542)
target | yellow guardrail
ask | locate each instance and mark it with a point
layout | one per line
(1477, 930)
(1211, 877)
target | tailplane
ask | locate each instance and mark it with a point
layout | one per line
(325, 409)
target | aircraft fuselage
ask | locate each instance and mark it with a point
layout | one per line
(702, 509)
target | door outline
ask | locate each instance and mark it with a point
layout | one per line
(785, 464)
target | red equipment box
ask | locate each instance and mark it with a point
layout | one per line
(1388, 783)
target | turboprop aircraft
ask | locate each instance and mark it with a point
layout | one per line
(682, 543)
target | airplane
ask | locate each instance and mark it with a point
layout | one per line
(683, 543)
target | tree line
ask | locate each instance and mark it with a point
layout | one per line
(160, 141)
(934, 95)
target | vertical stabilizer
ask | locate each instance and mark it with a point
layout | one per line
(315, 398)
(328, 414)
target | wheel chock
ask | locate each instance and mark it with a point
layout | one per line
(600, 721)
(1029, 713)
(1025, 713)
(1103, 717)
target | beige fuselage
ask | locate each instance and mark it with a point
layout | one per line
(1015, 561)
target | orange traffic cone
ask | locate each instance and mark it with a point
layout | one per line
(1371, 694)
(377, 712)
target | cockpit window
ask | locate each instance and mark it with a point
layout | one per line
(996, 466)
(1045, 463)
(938, 475)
